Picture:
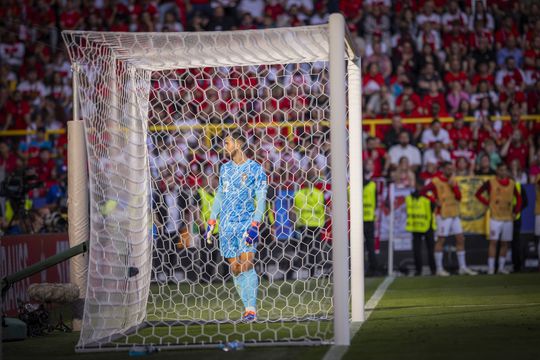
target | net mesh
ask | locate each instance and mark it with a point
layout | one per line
(156, 109)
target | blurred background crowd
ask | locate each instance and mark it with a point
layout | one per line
(460, 64)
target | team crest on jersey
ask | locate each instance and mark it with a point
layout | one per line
(244, 178)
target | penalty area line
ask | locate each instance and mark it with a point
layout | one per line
(336, 352)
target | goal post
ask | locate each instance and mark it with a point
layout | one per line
(155, 109)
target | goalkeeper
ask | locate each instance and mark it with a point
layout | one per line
(240, 205)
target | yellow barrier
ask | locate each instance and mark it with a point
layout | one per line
(373, 123)
(213, 128)
(6, 133)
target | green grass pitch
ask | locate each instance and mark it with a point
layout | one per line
(482, 317)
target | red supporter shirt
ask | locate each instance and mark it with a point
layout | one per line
(424, 175)
(483, 135)
(43, 170)
(274, 10)
(414, 98)
(515, 75)
(69, 19)
(350, 7)
(450, 77)
(9, 164)
(463, 133)
(474, 38)
(478, 78)
(508, 129)
(429, 100)
(531, 54)
(518, 152)
(377, 78)
(449, 38)
(18, 111)
(533, 98)
(518, 97)
(377, 155)
(503, 34)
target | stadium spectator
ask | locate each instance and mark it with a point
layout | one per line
(515, 149)
(480, 12)
(510, 50)
(534, 167)
(510, 71)
(378, 156)
(376, 23)
(12, 50)
(514, 124)
(383, 96)
(490, 148)
(373, 80)
(429, 16)
(428, 36)
(436, 153)
(517, 173)
(458, 130)
(435, 133)
(405, 149)
(455, 97)
(429, 80)
(403, 176)
(431, 171)
(483, 54)
(482, 92)
(484, 166)
(463, 167)
(381, 58)
(390, 136)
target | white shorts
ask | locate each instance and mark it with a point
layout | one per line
(448, 226)
(537, 225)
(501, 230)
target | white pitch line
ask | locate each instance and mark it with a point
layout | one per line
(336, 352)
(466, 306)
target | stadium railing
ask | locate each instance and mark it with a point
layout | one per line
(212, 129)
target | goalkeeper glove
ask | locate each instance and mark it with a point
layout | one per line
(210, 230)
(251, 235)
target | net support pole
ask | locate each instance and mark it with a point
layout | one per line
(78, 225)
(338, 134)
(356, 186)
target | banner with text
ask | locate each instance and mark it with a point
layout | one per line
(19, 252)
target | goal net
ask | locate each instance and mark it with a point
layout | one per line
(156, 108)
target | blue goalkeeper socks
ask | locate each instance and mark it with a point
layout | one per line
(237, 285)
(247, 284)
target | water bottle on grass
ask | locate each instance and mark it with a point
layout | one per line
(142, 350)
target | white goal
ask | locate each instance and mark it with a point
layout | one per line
(156, 108)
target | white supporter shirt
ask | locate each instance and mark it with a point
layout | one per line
(12, 54)
(411, 152)
(433, 18)
(448, 18)
(431, 157)
(428, 137)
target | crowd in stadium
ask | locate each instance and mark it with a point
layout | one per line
(466, 61)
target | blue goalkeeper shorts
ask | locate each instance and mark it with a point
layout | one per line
(231, 241)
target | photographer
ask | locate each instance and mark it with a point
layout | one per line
(18, 216)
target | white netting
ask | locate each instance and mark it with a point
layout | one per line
(156, 108)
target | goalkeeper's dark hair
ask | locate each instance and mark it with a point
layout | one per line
(238, 135)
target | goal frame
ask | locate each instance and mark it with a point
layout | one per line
(347, 246)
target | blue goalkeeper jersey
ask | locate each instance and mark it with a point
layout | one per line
(241, 194)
